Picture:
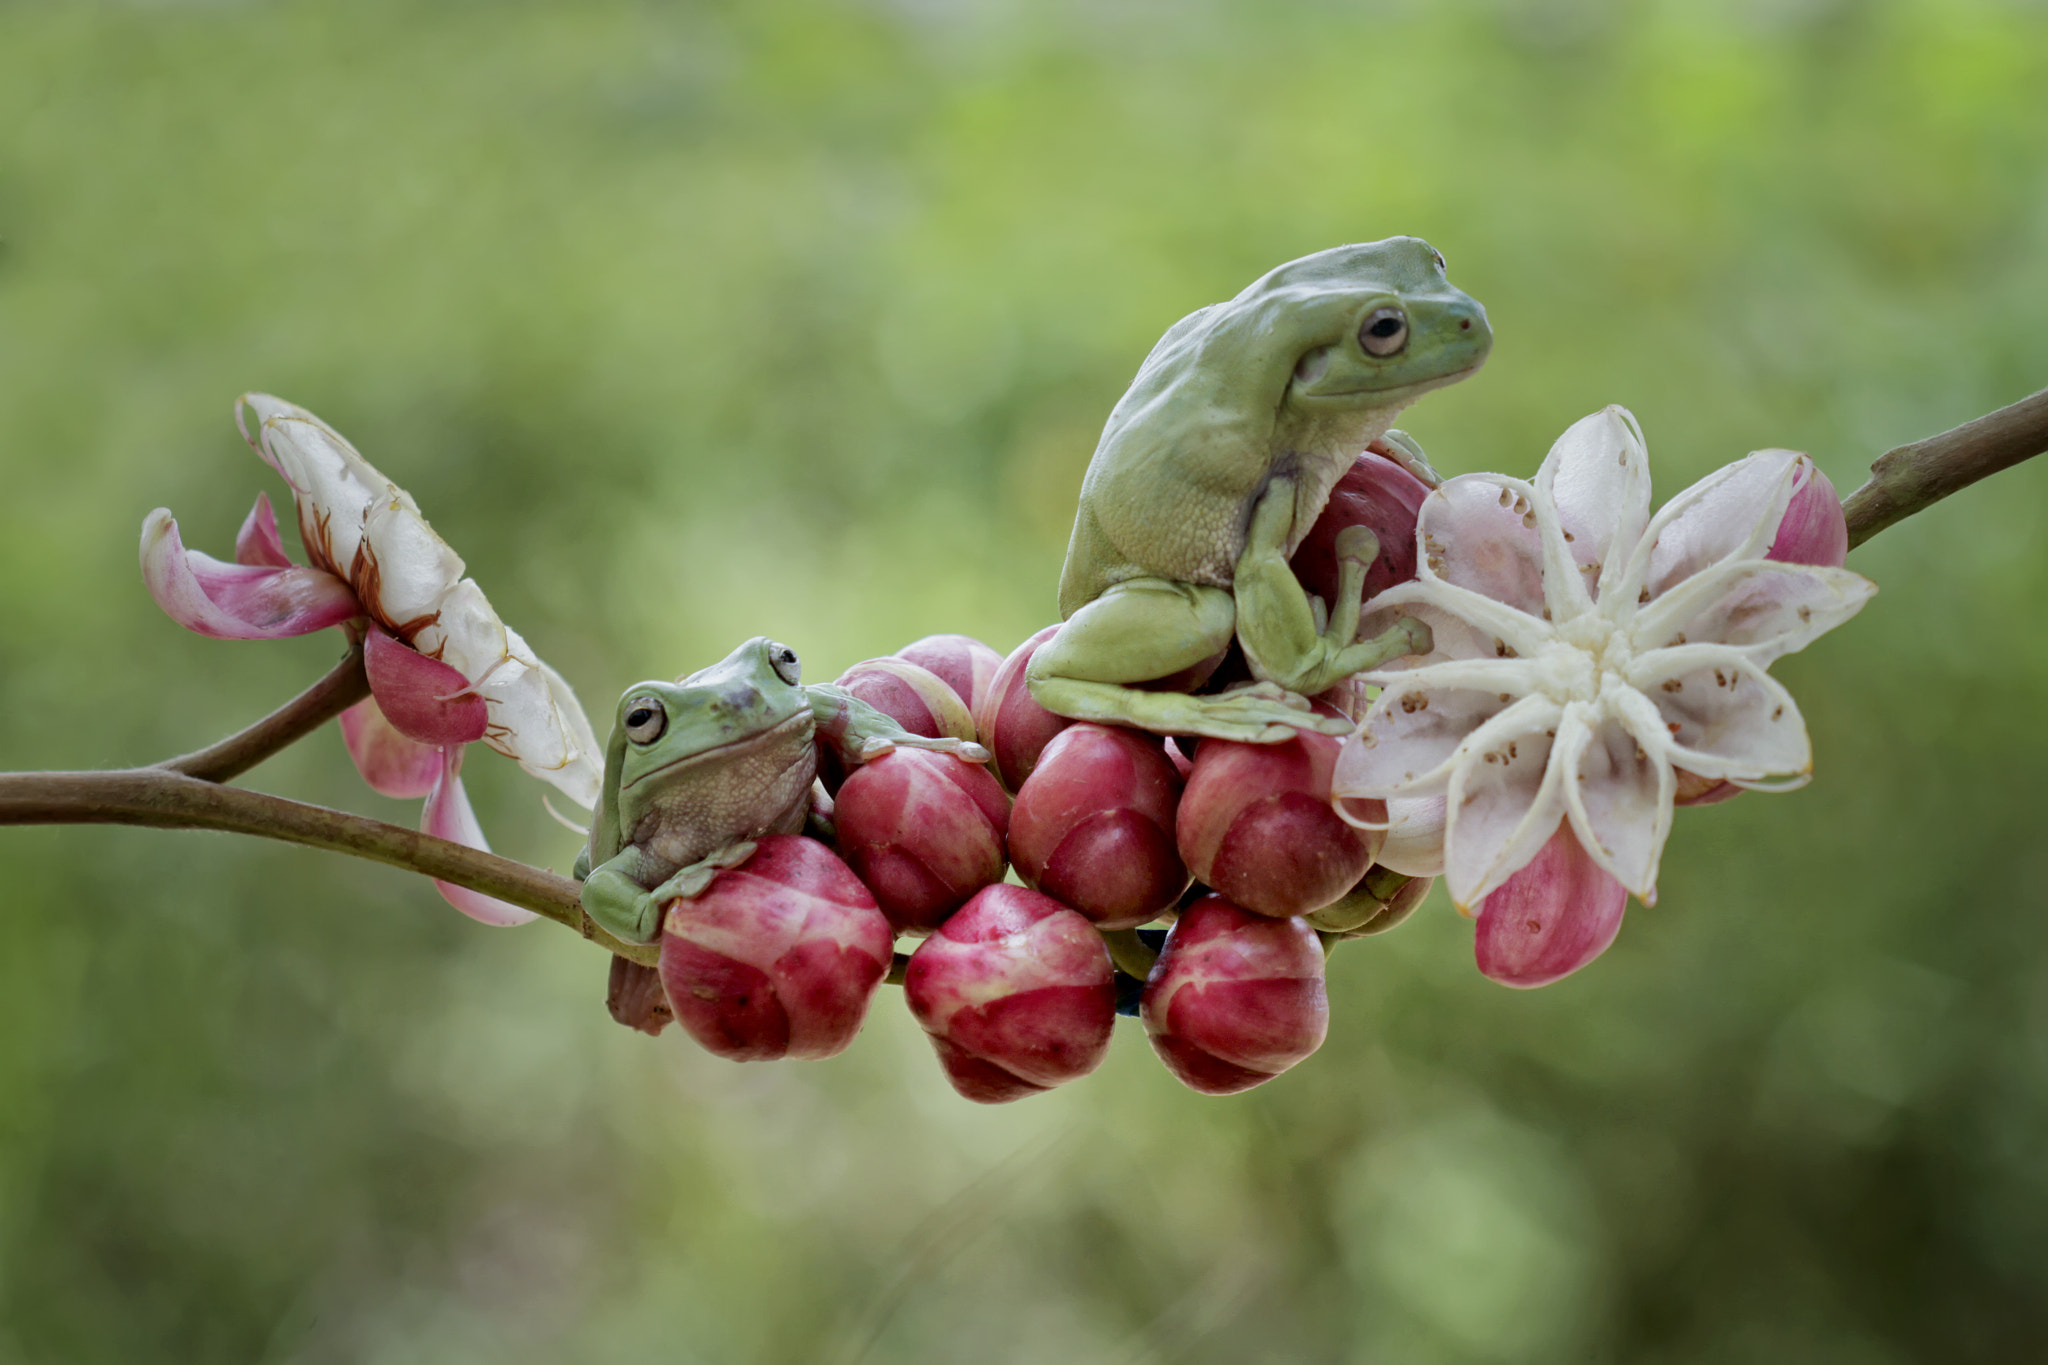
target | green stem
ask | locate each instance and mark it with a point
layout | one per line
(163, 799)
(1915, 477)
(1129, 952)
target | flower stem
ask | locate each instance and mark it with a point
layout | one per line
(1130, 952)
(344, 686)
(1915, 477)
(164, 799)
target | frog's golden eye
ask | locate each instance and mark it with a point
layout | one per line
(646, 719)
(1384, 332)
(787, 666)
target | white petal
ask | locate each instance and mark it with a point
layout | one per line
(1478, 532)
(1724, 716)
(1597, 476)
(1415, 837)
(1463, 625)
(1505, 795)
(404, 569)
(1765, 608)
(1620, 794)
(1405, 744)
(1733, 513)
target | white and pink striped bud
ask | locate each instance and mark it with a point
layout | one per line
(966, 664)
(1017, 994)
(1093, 825)
(915, 698)
(924, 830)
(1235, 998)
(1011, 723)
(777, 958)
(1256, 824)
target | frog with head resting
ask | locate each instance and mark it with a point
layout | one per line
(1212, 469)
(698, 769)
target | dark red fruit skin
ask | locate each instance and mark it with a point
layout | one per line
(1093, 826)
(1017, 994)
(778, 957)
(1235, 998)
(924, 830)
(1255, 823)
(964, 663)
(1384, 498)
(1014, 727)
(909, 694)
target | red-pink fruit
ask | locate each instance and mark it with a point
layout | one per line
(1093, 825)
(966, 664)
(915, 698)
(1014, 727)
(778, 957)
(1551, 918)
(924, 830)
(1255, 823)
(1235, 998)
(1017, 994)
(1384, 498)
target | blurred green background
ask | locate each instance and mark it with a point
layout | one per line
(686, 323)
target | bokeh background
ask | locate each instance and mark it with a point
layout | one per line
(690, 322)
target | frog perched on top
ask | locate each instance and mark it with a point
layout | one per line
(1213, 467)
(696, 770)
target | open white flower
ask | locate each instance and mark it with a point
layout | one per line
(1587, 656)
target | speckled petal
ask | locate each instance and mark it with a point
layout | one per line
(1725, 717)
(1415, 837)
(1405, 744)
(1733, 513)
(1763, 608)
(1506, 794)
(1463, 625)
(1479, 532)
(1597, 477)
(1620, 794)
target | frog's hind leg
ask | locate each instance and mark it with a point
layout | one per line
(1145, 629)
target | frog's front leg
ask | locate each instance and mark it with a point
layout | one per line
(1276, 622)
(617, 897)
(860, 732)
(1144, 629)
(1403, 450)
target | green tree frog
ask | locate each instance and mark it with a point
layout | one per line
(1213, 467)
(698, 769)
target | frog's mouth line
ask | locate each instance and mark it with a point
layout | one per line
(1419, 387)
(736, 748)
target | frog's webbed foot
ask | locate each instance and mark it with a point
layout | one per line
(1401, 448)
(690, 882)
(1285, 639)
(1148, 628)
(873, 748)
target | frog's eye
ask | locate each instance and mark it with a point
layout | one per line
(645, 720)
(1384, 331)
(1439, 259)
(787, 666)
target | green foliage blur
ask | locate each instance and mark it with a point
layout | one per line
(688, 322)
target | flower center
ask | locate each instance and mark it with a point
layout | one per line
(1586, 655)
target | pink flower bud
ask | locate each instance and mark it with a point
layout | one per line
(915, 698)
(1014, 726)
(778, 957)
(1385, 499)
(1235, 998)
(1017, 994)
(1256, 824)
(966, 664)
(924, 830)
(1551, 918)
(1093, 825)
(1813, 530)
